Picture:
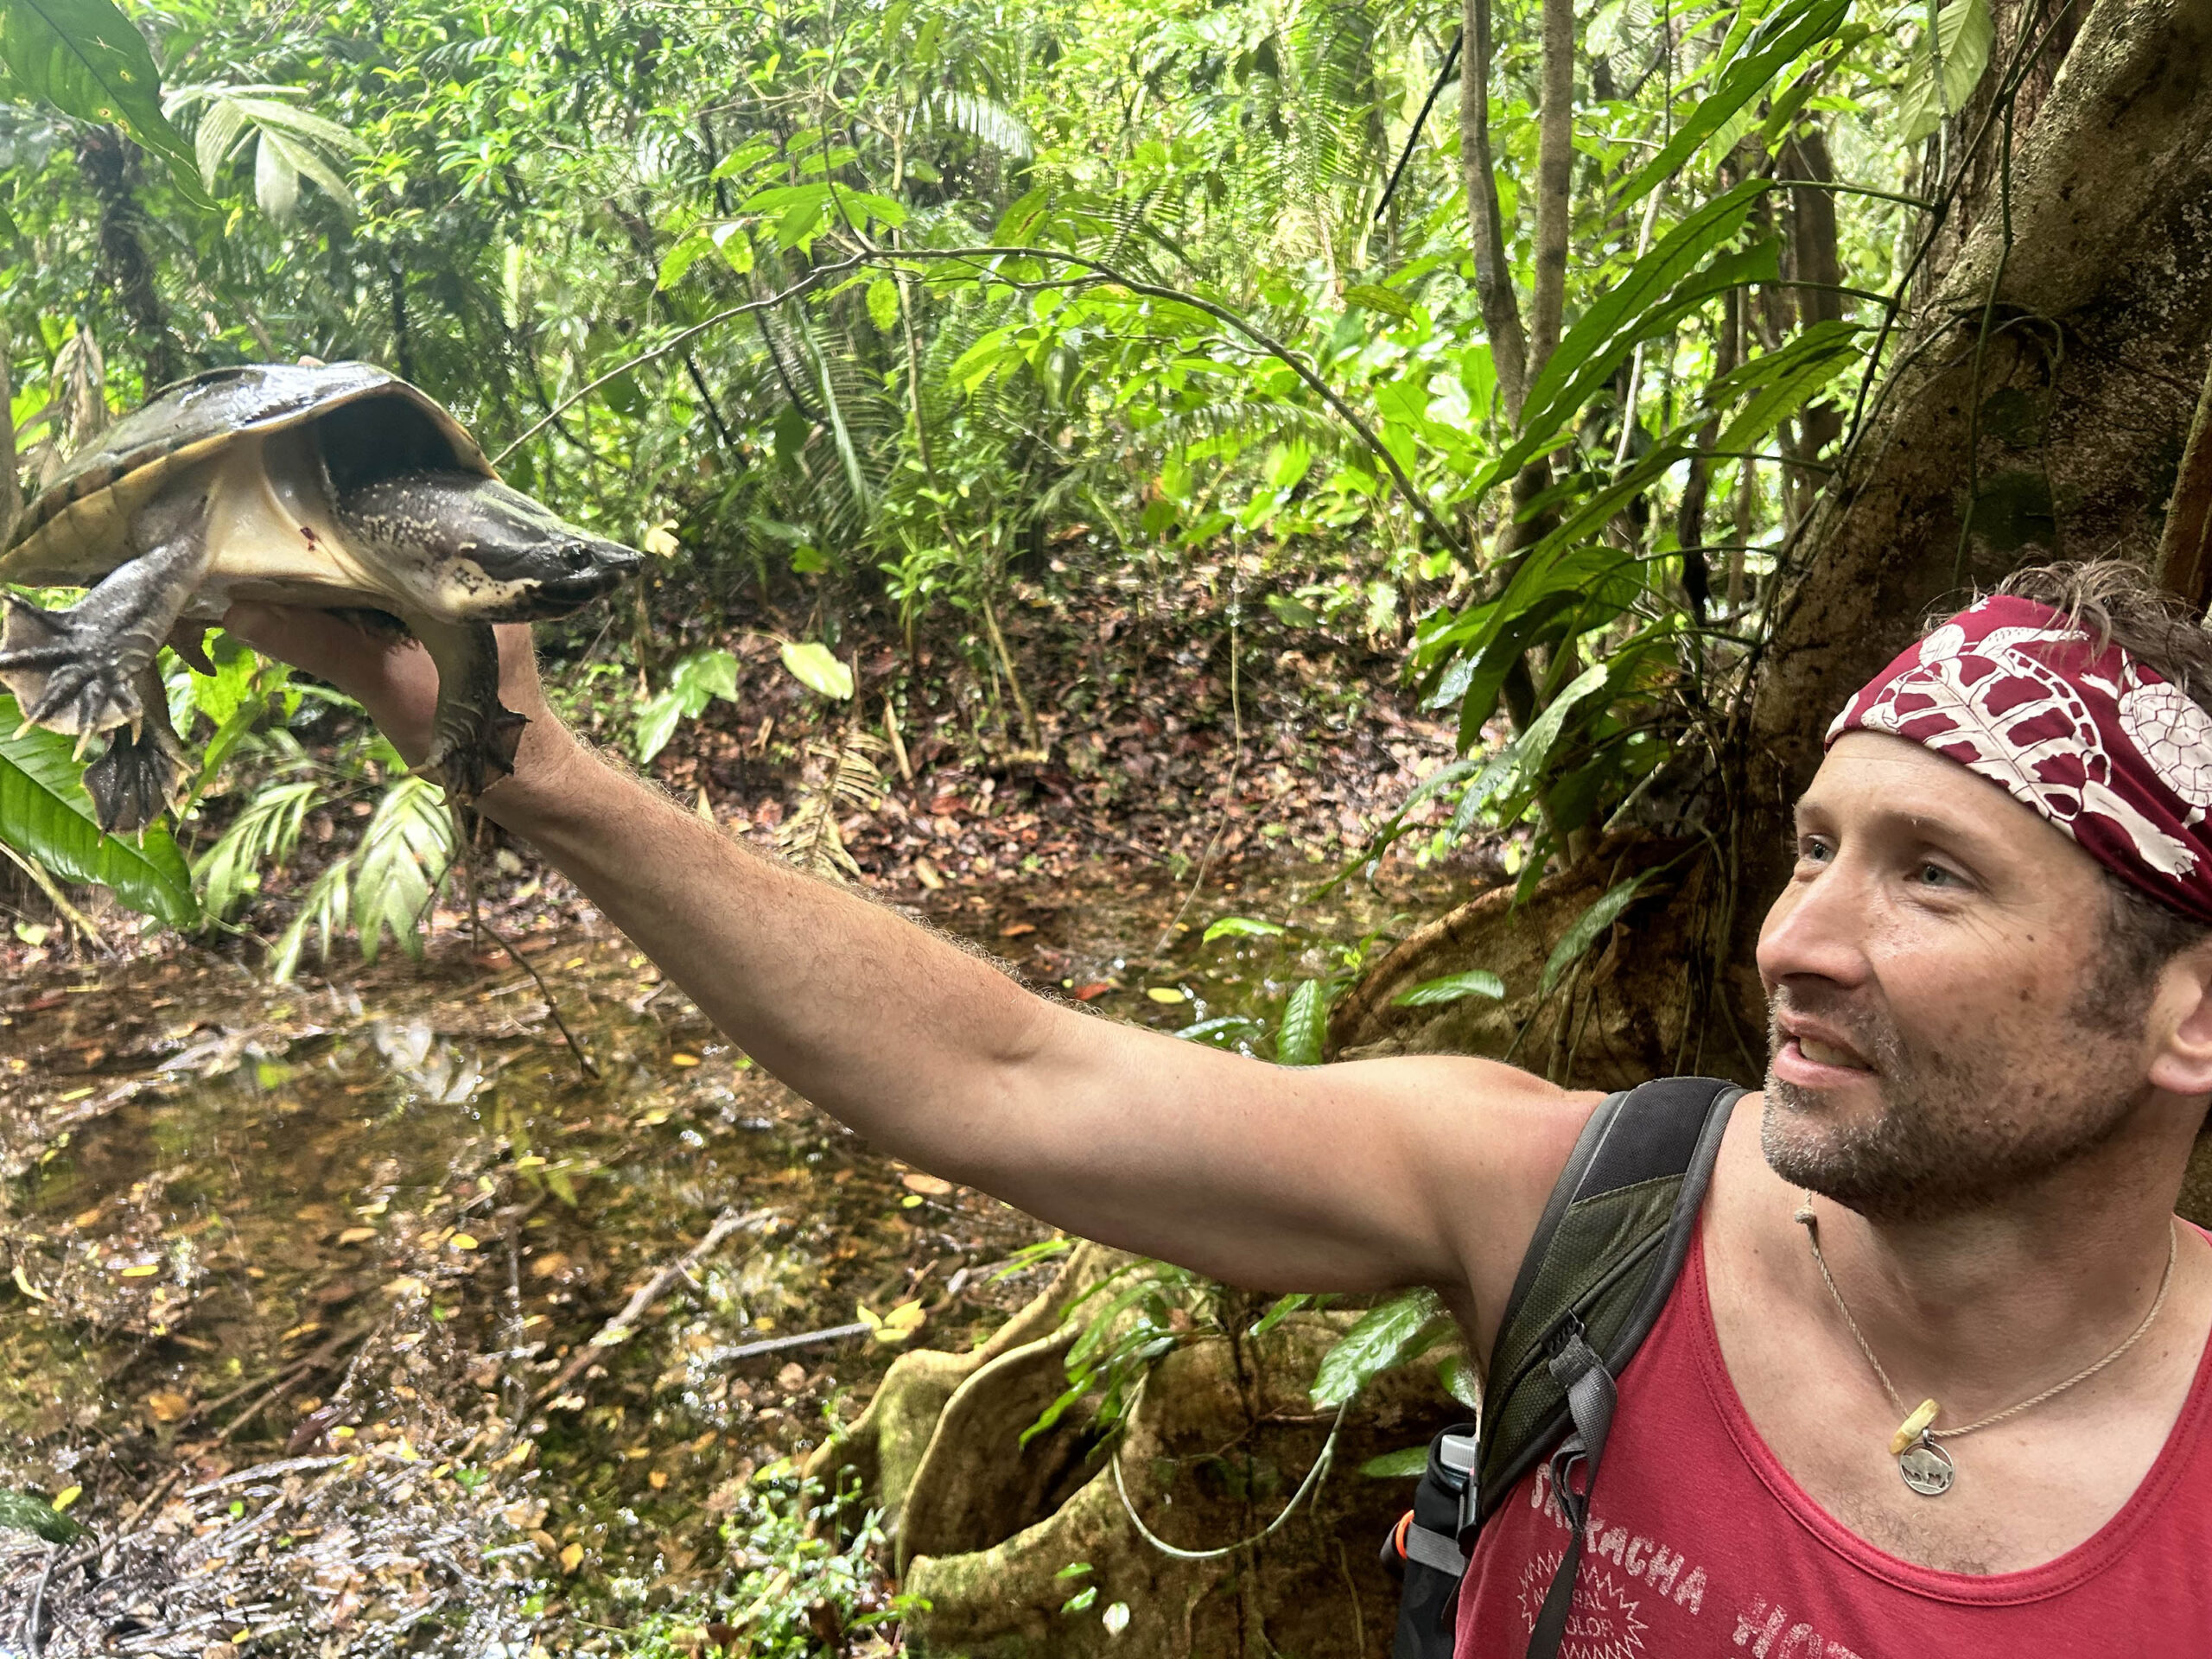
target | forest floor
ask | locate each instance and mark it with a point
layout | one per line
(1146, 753)
(317, 1292)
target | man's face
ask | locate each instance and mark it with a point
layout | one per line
(1925, 971)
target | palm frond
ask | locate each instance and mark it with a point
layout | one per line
(840, 779)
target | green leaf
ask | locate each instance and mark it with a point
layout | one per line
(815, 666)
(685, 253)
(883, 304)
(22, 1512)
(1588, 927)
(1304, 1028)
(1940, 80)
(405, 852)
(1629, 309)
(1534, 746)
(264, 833)
(1401, 1329)
(1792, 28)
(1409, 1463)
(89, 60)
(1452, 987)
(1784, 381)
(46, 815)
(1239, 927)
(1387, 301)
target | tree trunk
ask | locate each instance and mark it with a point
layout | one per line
(109, 161)
(2056, 430)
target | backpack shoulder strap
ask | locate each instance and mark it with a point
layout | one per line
(1604, 1255)
(1599, 1269)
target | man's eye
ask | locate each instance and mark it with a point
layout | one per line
(1934, 876)
(1814, 849)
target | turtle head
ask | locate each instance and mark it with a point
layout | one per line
(468, 549)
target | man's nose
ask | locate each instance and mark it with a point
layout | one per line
(1817, 929)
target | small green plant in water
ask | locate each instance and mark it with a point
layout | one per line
(790, 1586)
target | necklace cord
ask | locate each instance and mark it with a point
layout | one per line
(1811, 1224)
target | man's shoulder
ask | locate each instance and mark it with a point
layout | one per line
(1488, 1142)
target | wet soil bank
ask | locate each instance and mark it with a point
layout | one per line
(363, 1320)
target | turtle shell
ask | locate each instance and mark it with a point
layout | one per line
(75, 531)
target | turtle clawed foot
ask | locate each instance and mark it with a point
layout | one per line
(469, 761)
(136, 780)
(60, 678)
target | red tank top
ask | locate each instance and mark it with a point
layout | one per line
(1699, 1544)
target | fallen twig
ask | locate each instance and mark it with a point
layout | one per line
(620, 1325)
(275, 1388)
(801, 1339)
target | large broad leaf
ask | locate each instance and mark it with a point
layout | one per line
(89, 60)
(1587, 926)
(1780, 382)
(1304, 1026)
(46, 815)
(1399, 1330)
(1659, 289)
(1792, 28)
(1453, 987)
(1946, 67)
(815, 666)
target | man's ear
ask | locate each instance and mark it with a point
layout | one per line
(2183, 1064)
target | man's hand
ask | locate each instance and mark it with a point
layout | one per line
(396, 681)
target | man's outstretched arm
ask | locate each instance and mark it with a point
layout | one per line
(1353, 1176)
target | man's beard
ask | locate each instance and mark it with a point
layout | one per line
(1961, 1126)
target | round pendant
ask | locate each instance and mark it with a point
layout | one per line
(1927, 1468)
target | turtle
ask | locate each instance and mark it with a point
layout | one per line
(337, 485)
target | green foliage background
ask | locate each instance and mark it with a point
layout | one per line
(866, 300)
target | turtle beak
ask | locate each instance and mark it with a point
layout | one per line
(586, 568)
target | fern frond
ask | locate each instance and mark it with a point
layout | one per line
(404, 857)
(984, 119)
(265, 833)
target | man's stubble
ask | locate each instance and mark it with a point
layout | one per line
(1964, 1123)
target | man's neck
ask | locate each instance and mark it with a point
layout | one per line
(1983, 1307)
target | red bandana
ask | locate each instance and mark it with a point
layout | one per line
(2101, 745)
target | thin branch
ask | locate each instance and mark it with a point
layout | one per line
(676, 342)
(616, 1329)
(1554, 183)
(1501, 308)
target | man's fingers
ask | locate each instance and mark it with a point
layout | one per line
(327, 646)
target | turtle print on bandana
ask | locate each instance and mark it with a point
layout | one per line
(2103, 747)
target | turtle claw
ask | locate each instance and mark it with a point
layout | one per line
(60, 678)
(468, 761)
(136, 780)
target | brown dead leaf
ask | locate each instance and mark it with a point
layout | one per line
(548, 1265)
(357, 1234)
(930, 1187)
(792, 1378)
(572, 1556)
(1015, 930)
(166, 1404)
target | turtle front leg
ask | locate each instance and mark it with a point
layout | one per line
(141, 775)
(78, 672)
(472, 735)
